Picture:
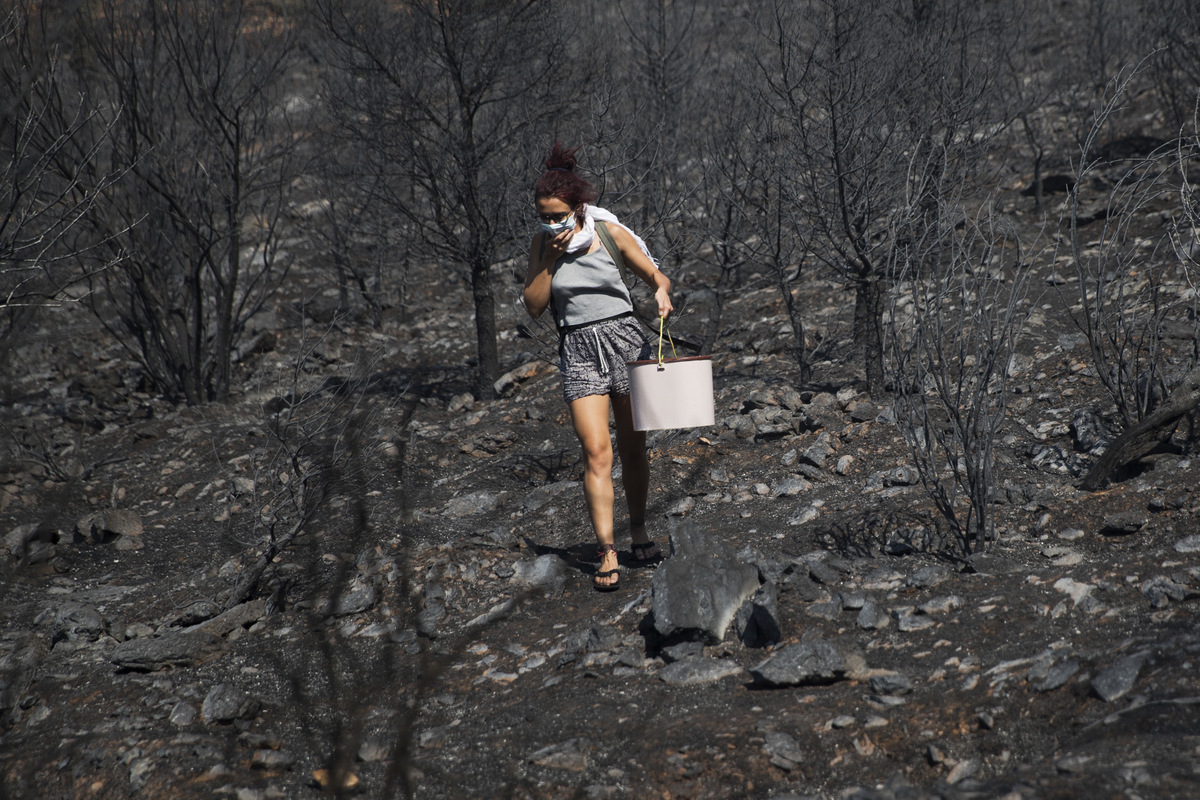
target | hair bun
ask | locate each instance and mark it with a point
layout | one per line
(562, 157)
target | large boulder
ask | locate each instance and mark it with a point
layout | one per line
(698, 590)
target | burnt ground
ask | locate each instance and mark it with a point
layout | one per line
(392, 629)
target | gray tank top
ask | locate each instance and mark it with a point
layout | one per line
(587, 287)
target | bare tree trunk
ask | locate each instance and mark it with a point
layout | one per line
(868, 328)
(488, 368)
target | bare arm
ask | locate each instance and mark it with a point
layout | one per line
(541, 270)
(644, 268)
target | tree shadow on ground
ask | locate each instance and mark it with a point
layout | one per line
(897, 532)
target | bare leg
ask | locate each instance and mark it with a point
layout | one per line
(589, 416)
(635, 471)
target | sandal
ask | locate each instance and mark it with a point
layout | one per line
(646, 552)
(601, 552)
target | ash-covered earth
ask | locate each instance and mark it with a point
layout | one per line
(358, 578)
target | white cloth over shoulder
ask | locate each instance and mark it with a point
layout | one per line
(583, 239)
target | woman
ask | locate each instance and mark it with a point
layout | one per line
(571, 271)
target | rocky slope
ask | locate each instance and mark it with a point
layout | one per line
(431, 626)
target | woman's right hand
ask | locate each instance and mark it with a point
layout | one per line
(543, 252)
(556, 246)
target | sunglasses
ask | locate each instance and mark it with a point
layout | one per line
(554, 219)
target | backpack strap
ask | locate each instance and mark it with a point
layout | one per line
(614, 253)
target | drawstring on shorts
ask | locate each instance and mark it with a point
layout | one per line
(600, 352)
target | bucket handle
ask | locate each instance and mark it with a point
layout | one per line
(661, 330)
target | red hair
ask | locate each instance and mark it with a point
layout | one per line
(560, 181)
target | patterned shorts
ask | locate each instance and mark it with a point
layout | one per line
(592, 358)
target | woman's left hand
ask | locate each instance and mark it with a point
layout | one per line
(663, 297)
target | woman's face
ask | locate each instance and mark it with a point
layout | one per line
(552, 210)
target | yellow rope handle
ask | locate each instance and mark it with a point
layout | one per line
(661, 328)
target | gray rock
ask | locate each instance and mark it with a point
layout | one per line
(1076, 764)
(461, 402)
(757, 621)
(853, 601)
(570, 755)
(128, 543)
(1117, 679)
(697, 670)
(681, 650)
(544, 495)
(79, 622)
(805, 515)
(374, 749)
(864, 411)
(547, 572)
(928, 576)
(171, 650)
(473, 504)
(428, 619)
(21, 539)
(790, 487)
(240, 616)
(116, 522)
(908, 621)
(872, 617)
(804, 588)
(791, 399)
(1161, 590)
(769, 570)
(811, 663)
(967, 768)
(226, 703)
(812, 473)
(509, 381)
(681, 507)
(139, 772)
(989, 564)
(195, 613)
(891, 683)
(266, 758)
(17, 671)
(822, 573)
(432, 736)
(1191, 544)
(830, 610)
(182, 714)
(602, 637)
(357, 598)
(1124, 523)
(1091, 434)
(901, 476)
(103, 594)
(819, 451)
(632, 657)
(941, 605)
(884, 578)
(783, 749)
(701, 586)
(1057, 675)
(503, 536)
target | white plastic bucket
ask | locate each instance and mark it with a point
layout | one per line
(671, 393)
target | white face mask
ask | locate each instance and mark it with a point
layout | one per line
(555, 228)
